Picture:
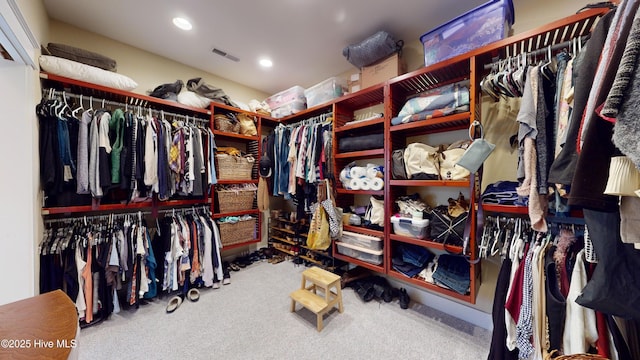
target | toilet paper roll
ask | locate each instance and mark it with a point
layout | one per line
(344, 176)
(376, 184)
(358, 172)
(374, 171)
(365, 184)
(354, 184)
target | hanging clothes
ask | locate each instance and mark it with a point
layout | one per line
(106, 150)
(299, 155)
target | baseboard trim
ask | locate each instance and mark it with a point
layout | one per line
(448, 306)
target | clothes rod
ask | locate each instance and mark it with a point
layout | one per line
(135, 104)
(543, 50)
(313, 119)
(97, 217)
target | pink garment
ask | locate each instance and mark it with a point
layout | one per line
(538, 204)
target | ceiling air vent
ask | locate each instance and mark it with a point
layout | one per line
(225, 54)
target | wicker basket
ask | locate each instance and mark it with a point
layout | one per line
(234, 167)
(235, 233)
(224, 123)
(235, 200)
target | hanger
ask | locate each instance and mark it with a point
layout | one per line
(74, 112)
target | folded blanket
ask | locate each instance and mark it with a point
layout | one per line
(438, 102)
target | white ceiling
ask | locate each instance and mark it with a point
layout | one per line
(304, 38)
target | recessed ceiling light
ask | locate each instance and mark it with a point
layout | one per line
(266, 63)
(182, 23)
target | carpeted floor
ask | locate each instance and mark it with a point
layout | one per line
(250, 319)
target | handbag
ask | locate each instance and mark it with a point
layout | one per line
(227, 123)
(447, 229)
(398, 169)
(448, 158)
(477, 152)
(421, 162)
(375, 212)
(247, 125)
(318, 237)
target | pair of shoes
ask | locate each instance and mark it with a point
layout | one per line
(276, 259)
(174, 303)
(365, 291)
(404, 298)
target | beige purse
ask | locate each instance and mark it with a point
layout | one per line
(421, 162)
(448, 159)
(247, 125)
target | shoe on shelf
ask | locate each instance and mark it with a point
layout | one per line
(404, 298)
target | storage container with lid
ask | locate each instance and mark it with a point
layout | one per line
(483, 25)
(411, 227)
(360, 253)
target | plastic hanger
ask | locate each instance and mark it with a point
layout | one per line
(74, 112)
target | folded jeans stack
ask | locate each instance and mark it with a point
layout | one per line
(453, 272)
(411, 259)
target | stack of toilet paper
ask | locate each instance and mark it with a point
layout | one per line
(369, 177)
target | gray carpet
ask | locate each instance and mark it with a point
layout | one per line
(250, 319)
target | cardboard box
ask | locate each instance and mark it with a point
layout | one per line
(382, 71)
(354, 83)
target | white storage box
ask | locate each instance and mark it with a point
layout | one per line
(325, 91)
(415, 228)
(282, 98)
(360, 253)
(365, 241)
(289, 109)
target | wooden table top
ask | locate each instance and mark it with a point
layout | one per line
(40, 327)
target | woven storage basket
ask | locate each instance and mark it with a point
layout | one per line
(223, 123)
(234, 167)
(235, 200)
(235, 233)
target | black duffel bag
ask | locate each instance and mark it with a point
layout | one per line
(359, 143)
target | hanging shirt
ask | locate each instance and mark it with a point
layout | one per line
(151, 154)
(82, 172)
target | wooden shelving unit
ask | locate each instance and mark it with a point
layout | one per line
(392, 94)
(89, 90)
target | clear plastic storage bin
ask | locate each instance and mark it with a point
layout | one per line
(327, 90)
(485, 24)
(365, 241)
(288, 109)
(285, 97)
(360, 253)
(415, 228)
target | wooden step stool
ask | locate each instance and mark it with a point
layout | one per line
(308, 295)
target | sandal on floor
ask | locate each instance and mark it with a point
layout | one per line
(234, 267)
(173, 304)
(193, 295)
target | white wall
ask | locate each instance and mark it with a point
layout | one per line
(20, 218)
(147, 69)
(19, 208)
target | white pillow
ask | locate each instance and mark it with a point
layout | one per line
(192, 99)
(91, 74)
